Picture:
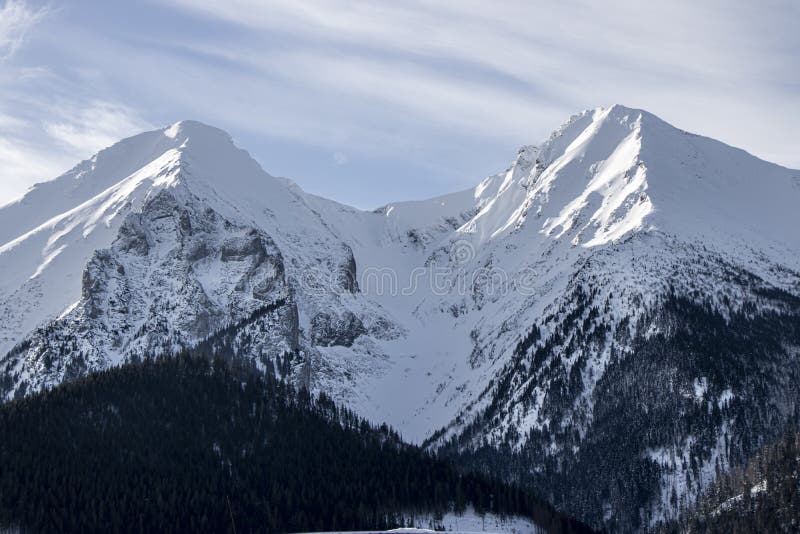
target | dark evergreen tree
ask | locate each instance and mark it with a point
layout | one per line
(199, 445)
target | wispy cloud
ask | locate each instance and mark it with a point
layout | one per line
(25, 163)
(33, 151)
(16, 19)
(45, 126)
(529, 41)
(522, 63)
(97, 125)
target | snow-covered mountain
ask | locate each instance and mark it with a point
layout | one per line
(619, 310)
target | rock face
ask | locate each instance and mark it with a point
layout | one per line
(175, 274)
(614, 318)
(341, 331)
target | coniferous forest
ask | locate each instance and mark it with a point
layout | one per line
(209, 445)
(761, 496)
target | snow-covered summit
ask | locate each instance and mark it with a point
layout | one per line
(48, 237)
(610, 171)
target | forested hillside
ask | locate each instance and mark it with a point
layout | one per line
(763, 496)
(634, 452)
(198, 445)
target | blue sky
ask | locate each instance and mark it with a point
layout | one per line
(370, 102)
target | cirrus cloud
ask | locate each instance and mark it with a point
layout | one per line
(16, 19)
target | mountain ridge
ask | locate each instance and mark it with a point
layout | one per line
(507, 307)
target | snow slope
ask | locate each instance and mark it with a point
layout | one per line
(470, 522)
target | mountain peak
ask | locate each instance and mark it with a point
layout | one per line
(621, 110)
(612, 171)
(196, 130)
